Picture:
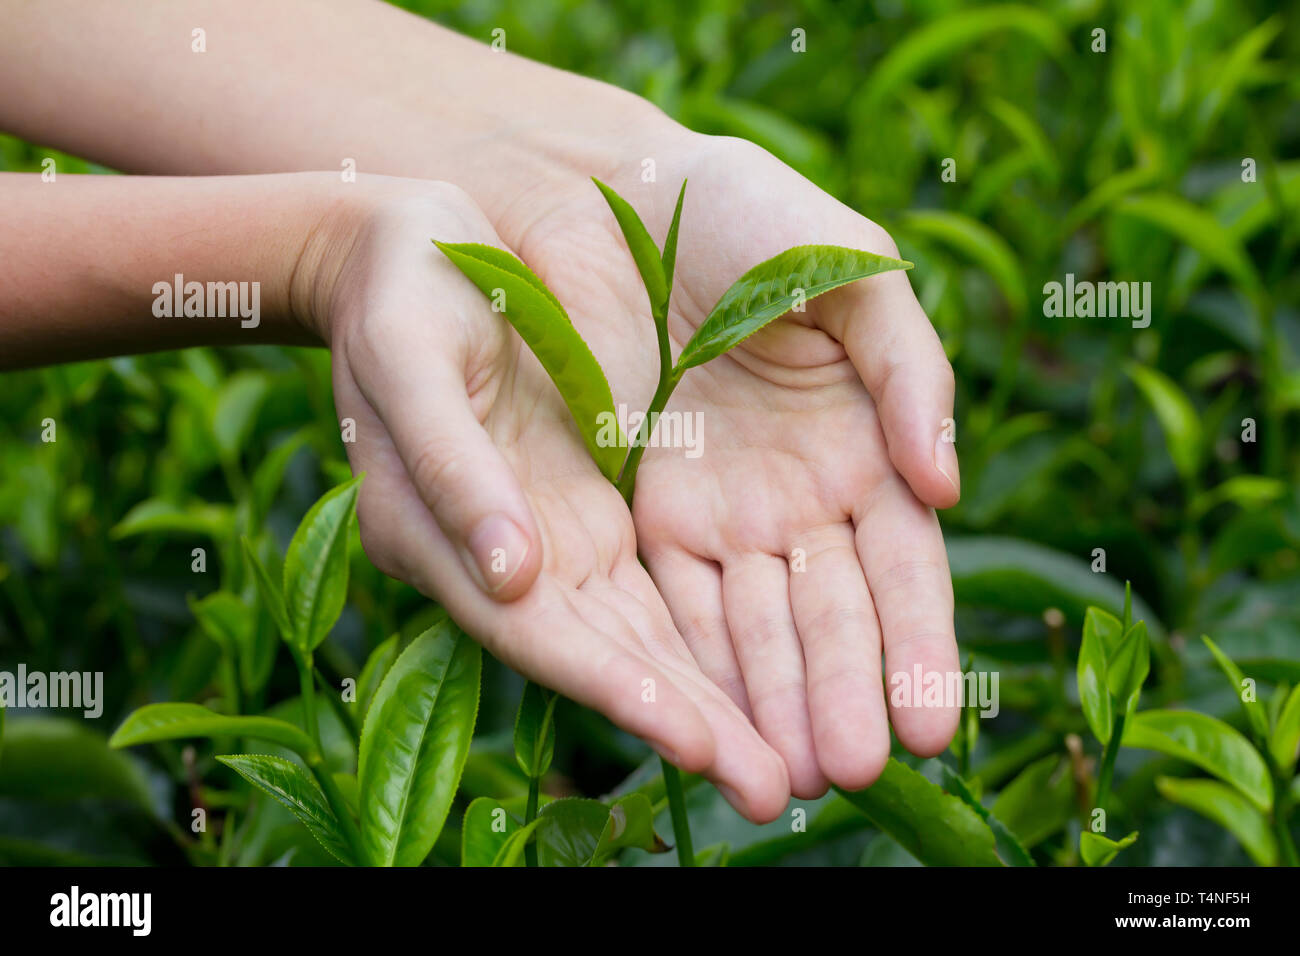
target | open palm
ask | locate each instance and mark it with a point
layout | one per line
(454, 419)
(800, 543)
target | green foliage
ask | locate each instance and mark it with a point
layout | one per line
(1074, 435)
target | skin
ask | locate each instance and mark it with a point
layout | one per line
(822, 432)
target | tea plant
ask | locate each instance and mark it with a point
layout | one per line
(763, 294)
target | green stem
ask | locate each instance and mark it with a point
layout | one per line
(677, 806)
(530, 814)
(627, 480)
(1281, 810)
(1108, 761)
(307, 694)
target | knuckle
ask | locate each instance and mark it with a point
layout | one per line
(437, 468)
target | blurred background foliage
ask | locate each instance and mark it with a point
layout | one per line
(1074, 434)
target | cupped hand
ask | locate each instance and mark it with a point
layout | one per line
(480, 493)
(800, 543)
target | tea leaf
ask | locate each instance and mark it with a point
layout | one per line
(935, 827)
(1008, 846)
(670, 241)
(644, 251)
(1093, 694)
(298, 792)
(1255, 712)
(1286, 734)
(1098, 850)
(581, 832)
(1177, 417)
(414, 744)
(1127, 667)
(155, 722)
(316, 566)
(543, 324)
(1207, 742)
(270, 593)
(770, 289)
(481, 838)
(1229, 809)
(535, 730)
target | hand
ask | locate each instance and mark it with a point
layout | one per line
(822, 437)
(471, 457)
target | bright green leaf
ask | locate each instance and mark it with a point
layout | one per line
(1228, 808)
(155, 722)
(1177, 416)
(1098, 628)
(1098, 850)
(1127, 669)
(1285, 740)
(414, 744)
(543, 324)
(316, 566)
(1209, 743)
(770, 289)
(1256, 713)
(644, 251)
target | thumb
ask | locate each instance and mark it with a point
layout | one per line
(460, 473)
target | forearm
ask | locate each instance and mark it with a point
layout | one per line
(304, 84)
(103, 265)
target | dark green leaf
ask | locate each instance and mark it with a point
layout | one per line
(535, 730)
(935, 827)
(298, 792)
(1009, 848)
(270, 592)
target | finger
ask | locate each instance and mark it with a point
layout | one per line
(458, 471)
(756, 597)
(898, 355)
(901, 548)
(692, 590)
(841, 645)
(540, 635)
(746, 770)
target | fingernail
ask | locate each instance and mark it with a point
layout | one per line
(945, 459)
(497, 549)
(669, 755)
(730, 796)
